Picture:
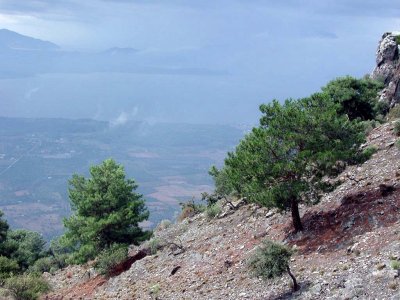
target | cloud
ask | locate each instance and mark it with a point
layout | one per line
(60, 8)
(300, 33)
(382, 8)
(36, 5)
(361, 8)
(30, 93)
(124, 117)
(322, 35)
(98, 113)
(379, 9)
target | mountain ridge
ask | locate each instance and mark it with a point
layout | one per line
(16, 41)
(36, 56)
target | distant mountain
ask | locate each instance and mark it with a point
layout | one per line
(23, 56)
(15, 41)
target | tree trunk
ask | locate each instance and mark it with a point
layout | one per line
(296, 287)
(294, 207)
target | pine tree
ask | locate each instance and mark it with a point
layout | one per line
(106, 210)
(282, 162)
(4, 227)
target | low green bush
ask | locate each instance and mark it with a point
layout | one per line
(396, 129)
(210, 199)
(47, 264)
(213, 210)
(190, 209)
(83, 254)
(26, 287)
(8, 268)
(364, 155)
(395, 264)
(271, 260)
(369, 151)
(111, 257)
(155, 290)
(42, 265)
(394, 113)
(381, 107)
(164, 224)
(369, 125)
(154, 245)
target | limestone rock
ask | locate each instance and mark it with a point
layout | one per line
(388, 67)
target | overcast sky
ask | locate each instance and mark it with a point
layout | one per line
(189, 24)
(262, 49)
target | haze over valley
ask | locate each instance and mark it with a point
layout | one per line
(39, 156)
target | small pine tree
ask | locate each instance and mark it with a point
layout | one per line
(3, 228)
(272, 260)
(8, 268)
(25, 246)
(107, 210)
(3, 235)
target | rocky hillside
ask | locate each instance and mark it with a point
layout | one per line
(388, 67)
(350, 242)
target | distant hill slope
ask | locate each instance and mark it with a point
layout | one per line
(345, 251)
(12, 40)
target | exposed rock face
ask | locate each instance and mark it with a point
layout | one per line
(388, 67)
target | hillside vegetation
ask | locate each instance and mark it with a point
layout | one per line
(347, 250)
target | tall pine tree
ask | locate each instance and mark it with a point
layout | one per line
(282, 162)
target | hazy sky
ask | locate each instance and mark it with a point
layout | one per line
(261, 49)
(176, 24)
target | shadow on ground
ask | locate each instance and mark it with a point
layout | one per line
(359, 212)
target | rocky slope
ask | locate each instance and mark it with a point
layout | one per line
(350, 240)
(388, 67)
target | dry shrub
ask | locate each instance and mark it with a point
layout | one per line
(190, 209)
(394, 113)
